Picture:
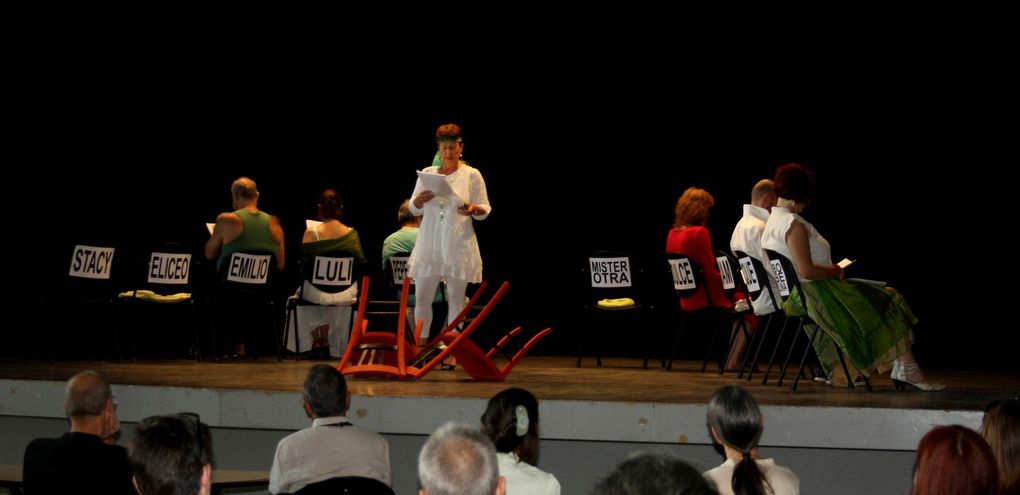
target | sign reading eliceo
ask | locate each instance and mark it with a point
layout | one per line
(169, 268)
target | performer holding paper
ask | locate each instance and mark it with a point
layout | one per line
(872, 325)
(447, 247)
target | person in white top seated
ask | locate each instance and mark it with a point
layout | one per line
(746, 238)
(332, 447)
(872, 325)
(737, 424)
(511, 422)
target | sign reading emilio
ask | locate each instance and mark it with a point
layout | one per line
(332, 271)
(91, 262)
(610, 272)
(169, 268)
(249, 268)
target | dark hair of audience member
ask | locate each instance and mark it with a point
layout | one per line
(167, 455)
(326, 391)
(795, 182)
(955, 460)
(499, 423)
(1001, 429)
(331, 205)
(734, 416)
(660, 474)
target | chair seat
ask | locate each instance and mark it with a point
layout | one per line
(150, 296)
(619, 303)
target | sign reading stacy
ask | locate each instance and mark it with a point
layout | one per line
(398, 265)
(169, 268)
(610, 272)
(683, 274)
(332, 271)
(91, 262)
(249, 268)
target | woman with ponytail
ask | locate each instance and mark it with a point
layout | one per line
(511, 422)
(736, 423)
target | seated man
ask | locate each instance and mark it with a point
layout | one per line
(332, 447)
(84, 460)
(172, 455)
(459, 460)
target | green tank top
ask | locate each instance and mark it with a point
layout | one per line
(254, 237)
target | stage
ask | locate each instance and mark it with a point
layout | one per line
(618, 402)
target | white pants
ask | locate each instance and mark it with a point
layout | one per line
(425, 293)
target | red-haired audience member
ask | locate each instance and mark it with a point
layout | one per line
(1001, 429)
(83, 460)
(955, 460)
(654, 473)
(459, 460)
(736, 423)
(511, 422)
(871, 324)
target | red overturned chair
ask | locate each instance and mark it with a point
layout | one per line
(397, 355)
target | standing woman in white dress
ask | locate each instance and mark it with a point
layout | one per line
(511, 422)
(447, 247)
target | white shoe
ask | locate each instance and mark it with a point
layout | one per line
(900, 373)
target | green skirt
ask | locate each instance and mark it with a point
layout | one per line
(871, 324)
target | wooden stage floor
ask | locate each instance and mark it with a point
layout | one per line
(549, 378)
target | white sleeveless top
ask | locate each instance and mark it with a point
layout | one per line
(774, 237)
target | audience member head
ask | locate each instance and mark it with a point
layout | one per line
(692, 208)
(1001, 429)
(763, 194)
(172, 455)
(459, 460)
(90, 406)
(795, 182)
(954, 460)
(660, 474)
(736, 422)
(405, 217)
(325, 392)
(331, 205)
(511, 422)
(244, 191)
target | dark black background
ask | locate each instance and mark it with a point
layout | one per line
(575, 158)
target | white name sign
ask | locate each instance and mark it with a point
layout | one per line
(249, 268)
(750, 276)
(398, 265)
(332, 271)
(169, 268)
(777, 270)
(726, 272)
(610, 272)
(91, 262)
(683, 274)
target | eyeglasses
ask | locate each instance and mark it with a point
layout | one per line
(198, 432)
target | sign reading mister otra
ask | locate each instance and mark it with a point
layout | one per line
(610, 272)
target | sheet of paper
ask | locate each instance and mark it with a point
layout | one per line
(845, 262)
(438, 184)
(211, 227)
(311, 224)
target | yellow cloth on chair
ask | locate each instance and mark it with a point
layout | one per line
(148, 295)
(623, 302)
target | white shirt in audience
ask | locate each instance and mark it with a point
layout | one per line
(523, 478)
(783, 481)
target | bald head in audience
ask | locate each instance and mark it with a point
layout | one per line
(459, 460)
(90, 406)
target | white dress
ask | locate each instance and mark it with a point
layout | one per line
(523, 478)
(774, 236)
(447, 245)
